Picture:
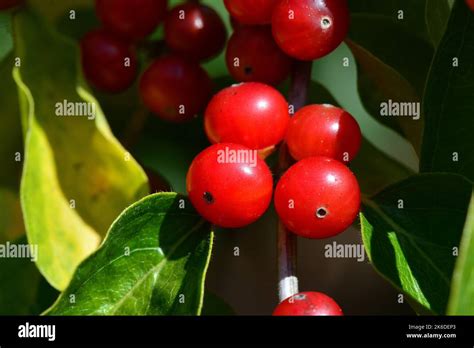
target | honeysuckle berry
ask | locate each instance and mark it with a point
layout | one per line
(308, 304)
(310, 29)
(253, 55)
(195, 31)
(251, 12)
(109, 63)
(175, 89)
(251, 114)
(229, 185)
(318, 197)
(323, 130)
(131, 19)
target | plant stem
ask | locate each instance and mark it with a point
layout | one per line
(287, 248)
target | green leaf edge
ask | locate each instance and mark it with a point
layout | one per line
(467, 241)
(208, 260)
(362, 219)
(27, 115)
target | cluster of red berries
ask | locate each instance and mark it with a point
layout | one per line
(229, 183)
(274, 30)
(174, 86)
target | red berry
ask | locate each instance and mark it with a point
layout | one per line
(252, 114)
(132, 19)
(175, 89)
(308, 304)
(253, 55)
(195, 30)
(323, 130)
(6, 4)
(229, 185)
(251, 11)
(108, 62)
(470, 3)
(310, 29)
(317, 197)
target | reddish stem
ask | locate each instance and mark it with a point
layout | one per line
(287, 248)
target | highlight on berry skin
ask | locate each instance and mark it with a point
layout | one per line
(309, 29)
(308, 304)
(195, 31)
(318, 197)
(323, 130)
(229, 185)
(252, 114)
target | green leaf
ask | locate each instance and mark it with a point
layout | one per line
(214, 305)
(412, 11)
(153, 262)
(22, 288)
(375, 170)
(341, 81)
(76, 178)
(461, 301)
(388, 72)
(437, 16)
(449, 100)
(410, 231)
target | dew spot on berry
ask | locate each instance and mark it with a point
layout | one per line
(321, 213)
(208, 198)
(326, 23)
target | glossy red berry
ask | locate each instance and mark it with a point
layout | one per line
(7, 4)
(251, 11)
(323, 130)
(175, 89)
(317, 197)
(108, 62)
(253, 55)
(195, 31)
(308, 304)
(132, 19)
(252, 114)
(229, 185)
(310, 29)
